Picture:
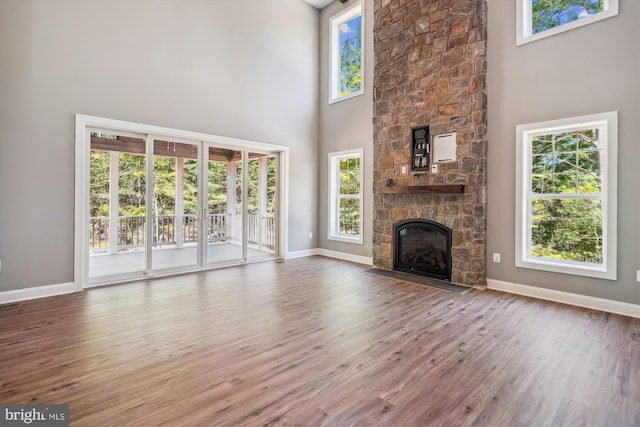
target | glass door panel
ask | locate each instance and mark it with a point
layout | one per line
(117, 207)
(174, 204)
(223, 213)
(262, 206)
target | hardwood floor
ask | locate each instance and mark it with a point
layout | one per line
(313, 342)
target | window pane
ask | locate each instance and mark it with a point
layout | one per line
(217, 188)
(542, 144)
(345, 196)
(350, 176)
(547, 14)
(349, 216)
(350, 55)
(567, 229)
(566, 163)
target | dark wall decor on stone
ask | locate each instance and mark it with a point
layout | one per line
(430, 70)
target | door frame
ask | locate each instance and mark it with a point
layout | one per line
(83, 124)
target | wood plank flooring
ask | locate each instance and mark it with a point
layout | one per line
(317, 342)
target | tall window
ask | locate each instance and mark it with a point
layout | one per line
(542, 18)
(345, 192)
(346, 79)
(566, 198)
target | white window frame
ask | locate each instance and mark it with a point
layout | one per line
(334, 195)
(85, 124)
(524, 21)
(334, 51)
(608, 124)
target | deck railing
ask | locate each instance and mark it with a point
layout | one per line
(220, 228)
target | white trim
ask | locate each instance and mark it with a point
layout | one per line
(331, 254)
(303, 253)
(334, 52)
(608, 122)
(524, 21)
(345, 256)
(333, 187)
(282, 188)
(595, 303)
(148, 208)
(118, 126)
(7, 297)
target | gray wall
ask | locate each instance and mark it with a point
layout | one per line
(241, 68)
(346, 125)
(592, 69)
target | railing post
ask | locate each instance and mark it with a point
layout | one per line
(114, 218)
(262, 199)
(179, 230)
(231, 200)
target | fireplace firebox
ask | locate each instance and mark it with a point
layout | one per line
(422, 247)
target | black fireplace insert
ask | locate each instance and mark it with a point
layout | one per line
(422, 247)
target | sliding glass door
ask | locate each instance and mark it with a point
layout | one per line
(117, 204)
(242, 205)
(262, 203)
(159, 205)
(175, 204)
(224, 206)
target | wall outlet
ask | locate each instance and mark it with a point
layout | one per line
(1, 266)
(434, 168)
(637, 275)
(311, 235)
(403, 170)
(496, 258)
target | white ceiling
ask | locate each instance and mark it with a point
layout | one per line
(319, 3)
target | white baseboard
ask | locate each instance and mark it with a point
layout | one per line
(607, 305)
(302, 253)
(346, 257)
(36, 292)
(331, 254)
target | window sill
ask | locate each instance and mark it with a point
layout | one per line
(356, 239)
(576, 269)
(345, 97)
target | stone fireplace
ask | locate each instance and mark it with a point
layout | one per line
(430, 70)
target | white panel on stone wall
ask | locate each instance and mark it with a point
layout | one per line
(444, 147)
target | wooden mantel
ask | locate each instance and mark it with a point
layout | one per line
(421, 189)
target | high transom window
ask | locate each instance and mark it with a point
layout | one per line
(346, 78)
(567, 195)
(542, 18)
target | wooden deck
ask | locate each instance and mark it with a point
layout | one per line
(317, 342)
(125, 262)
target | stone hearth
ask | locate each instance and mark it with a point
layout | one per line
(430, 69)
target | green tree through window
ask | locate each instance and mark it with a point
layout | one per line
(346, 49)
(566, 210)
(345, 196)
(349, 209)
(547, 14)
(350, 56)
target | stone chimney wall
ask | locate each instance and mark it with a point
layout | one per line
(430, 69)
